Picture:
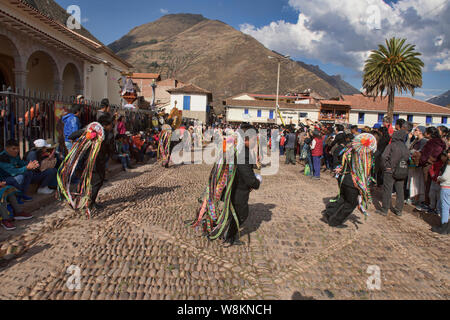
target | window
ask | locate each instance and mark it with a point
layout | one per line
(380, 117)
(187, 103)
(361, 116)
(396, 117)
(410, 118)
(246, 111)
(259, 113)
(271, 115)
(429, 119)
(444, 120)
(303, 115)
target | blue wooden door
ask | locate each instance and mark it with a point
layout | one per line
(187, 103)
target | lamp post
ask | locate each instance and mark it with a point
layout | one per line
(279, 59)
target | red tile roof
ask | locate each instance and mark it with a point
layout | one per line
(145, 76)
(402, 104)
(190, 88)
(336, 103)
(268, 104)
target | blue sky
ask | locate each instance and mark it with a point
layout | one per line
(321, 32)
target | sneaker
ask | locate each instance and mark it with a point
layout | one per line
(45, 190)
(8, 225)
(23, 216)
(396, 212)
(423, 207)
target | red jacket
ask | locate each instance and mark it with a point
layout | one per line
(435, 170)
(318, 149)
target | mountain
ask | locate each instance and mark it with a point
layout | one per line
(442, 100)
(217, 57)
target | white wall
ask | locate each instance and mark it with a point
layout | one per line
(371, 118)
(198, 102)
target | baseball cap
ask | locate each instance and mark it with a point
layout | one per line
(40, 143)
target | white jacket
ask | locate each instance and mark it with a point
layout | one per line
(445, 178)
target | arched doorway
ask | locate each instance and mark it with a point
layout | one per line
(71, 81)
(8, 62)
(42, 73)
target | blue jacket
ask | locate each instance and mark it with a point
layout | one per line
(10, 166)
(71, 125)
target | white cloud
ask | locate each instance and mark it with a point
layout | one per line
(164, 11)
(344, 32)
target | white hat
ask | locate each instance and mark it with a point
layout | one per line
(41, 144)
(128, 133)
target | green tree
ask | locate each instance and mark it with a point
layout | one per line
(391, 68)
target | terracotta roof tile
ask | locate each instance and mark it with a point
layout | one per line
(268, 104)
(402, 104)
(336, 103)
(145, 76)
(190, 88)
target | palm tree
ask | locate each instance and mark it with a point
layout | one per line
(392, 68)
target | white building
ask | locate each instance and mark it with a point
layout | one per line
(192, 100)
(351, 109)
(40, 53)
(256, 108)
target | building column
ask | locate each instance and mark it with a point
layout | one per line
(20, 79)
(59, 84)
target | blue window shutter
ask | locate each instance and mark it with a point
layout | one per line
(187, 103)
(271, 115)
(444, 120)
(410, 118)
(429, 119)
(396, 117)
(246, 111)
(380, 117)
(259, 113)
(361, 116)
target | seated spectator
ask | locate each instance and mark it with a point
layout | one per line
(20, 174)
(137, 148)
(7, 196)
(123, 150)
(45, 154)
(152, 150)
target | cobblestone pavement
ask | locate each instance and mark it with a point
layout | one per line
(138, 248)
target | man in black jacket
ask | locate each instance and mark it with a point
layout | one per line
(394, 153)
(245, 181)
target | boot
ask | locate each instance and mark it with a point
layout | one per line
(443, 229)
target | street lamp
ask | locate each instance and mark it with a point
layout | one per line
(279, 59)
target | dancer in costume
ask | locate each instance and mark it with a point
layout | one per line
(230, 182)
(167, 139)
(94, 142)
(355, 177)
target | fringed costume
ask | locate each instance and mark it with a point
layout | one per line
(356, 176)
(89, 145)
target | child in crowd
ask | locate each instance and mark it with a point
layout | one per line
(444, 201)
(7, 196)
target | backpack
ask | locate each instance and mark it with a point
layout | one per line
(401, 171)
(282, 141)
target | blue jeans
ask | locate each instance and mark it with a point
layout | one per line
(316, 163)
(125, 161)
(444, 204)
(23, 181)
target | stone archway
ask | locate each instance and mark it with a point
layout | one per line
(9, 62)
(42, 73)
(71, 81)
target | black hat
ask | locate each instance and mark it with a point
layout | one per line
(105, 102)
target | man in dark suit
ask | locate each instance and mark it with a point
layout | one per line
(245, 181)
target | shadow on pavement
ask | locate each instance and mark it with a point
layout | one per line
(6, 264)
(298, 296)
(259, 213)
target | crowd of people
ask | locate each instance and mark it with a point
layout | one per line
(40, 164)
(409, 161)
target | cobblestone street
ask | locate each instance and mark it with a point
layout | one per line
(139, 248)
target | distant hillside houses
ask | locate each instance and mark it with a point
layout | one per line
(354, 109)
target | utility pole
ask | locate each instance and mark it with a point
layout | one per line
(277, 109)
